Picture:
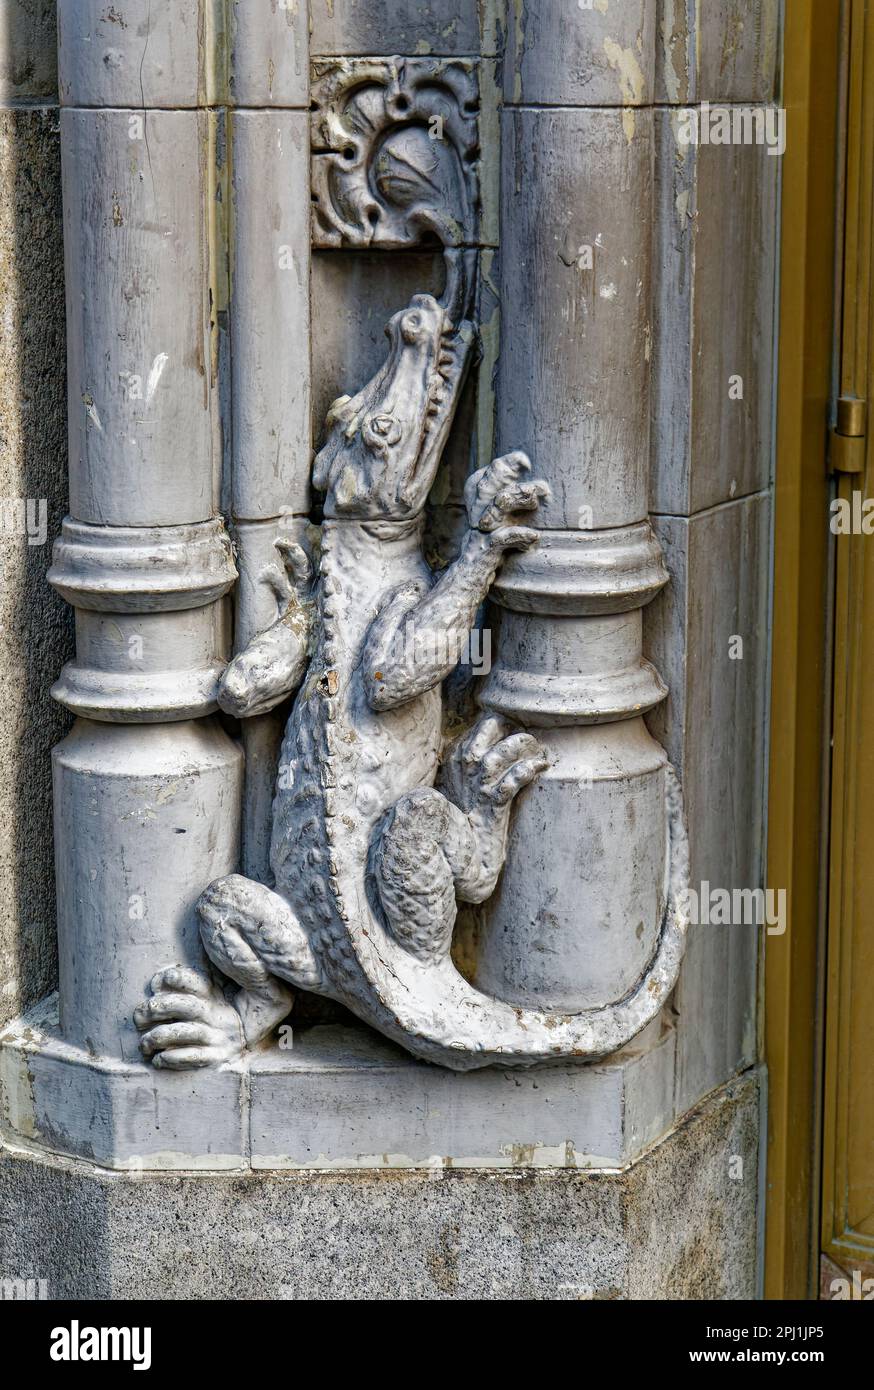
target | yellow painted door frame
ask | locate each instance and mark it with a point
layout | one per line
(814, 39)
(819, 978)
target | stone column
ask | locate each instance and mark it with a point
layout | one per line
(578, 911)
(147, 785)
(268, 155)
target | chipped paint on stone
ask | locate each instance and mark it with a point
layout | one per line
(683, 146)
(674, 33)
(632, 84)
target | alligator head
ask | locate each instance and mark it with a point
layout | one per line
(384, 445)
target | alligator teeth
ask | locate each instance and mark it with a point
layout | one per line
(446, 359)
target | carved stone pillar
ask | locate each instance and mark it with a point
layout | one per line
(147, 786)
(269, 301)
(576, 917)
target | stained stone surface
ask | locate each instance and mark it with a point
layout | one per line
(714, 727)
(713, 321)
(35, 626)
(405, 26)
(28, 60)
(722, 50)
(680, 1224)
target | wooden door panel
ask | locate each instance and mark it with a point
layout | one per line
(848, 1111)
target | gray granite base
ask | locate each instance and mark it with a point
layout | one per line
(680, 1223)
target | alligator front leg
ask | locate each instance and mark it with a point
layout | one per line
(418, 637)
(272, 666)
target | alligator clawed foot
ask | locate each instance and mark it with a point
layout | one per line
(498, 492)
(187, 1022)
(491, 764)
(508, 767)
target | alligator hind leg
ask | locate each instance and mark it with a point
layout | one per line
(253, 937)
(433, 849)
(419, 851)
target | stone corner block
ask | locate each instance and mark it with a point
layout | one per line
(340, 1098)
(122, 1115)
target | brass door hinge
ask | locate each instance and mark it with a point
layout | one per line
(848, 438)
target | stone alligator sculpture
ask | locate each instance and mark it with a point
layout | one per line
(378, 831)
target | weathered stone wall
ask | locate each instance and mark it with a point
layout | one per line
(35, 626)
(715, 231)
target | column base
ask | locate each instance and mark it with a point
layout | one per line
(677, 1224)
(341, 1097)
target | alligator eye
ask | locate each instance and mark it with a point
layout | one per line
(386, 425)
(411, 327)
(380, 431)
